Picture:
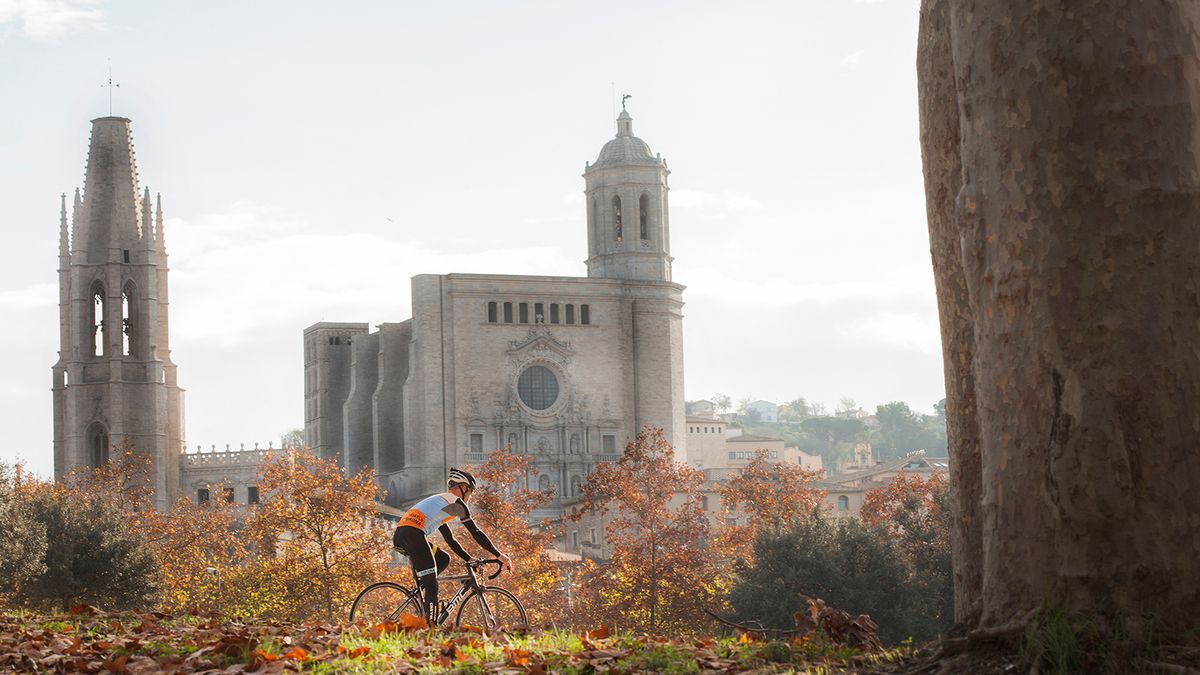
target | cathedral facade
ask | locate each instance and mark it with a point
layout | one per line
(566, 369)
(114, 380)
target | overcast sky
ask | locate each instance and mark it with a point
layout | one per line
(311, 160)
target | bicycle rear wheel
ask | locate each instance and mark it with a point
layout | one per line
(385, 601)
(492, 610)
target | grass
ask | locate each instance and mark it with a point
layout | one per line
(173, 643)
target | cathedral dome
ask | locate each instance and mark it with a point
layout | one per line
(625, 148)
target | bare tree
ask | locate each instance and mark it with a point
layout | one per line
(1061, 181)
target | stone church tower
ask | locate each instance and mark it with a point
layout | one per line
(563, 369)
(114, 380)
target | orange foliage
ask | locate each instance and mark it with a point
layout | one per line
(502, 509)
(764, 494)
(317, 533)
(661, 576)
(909, 505)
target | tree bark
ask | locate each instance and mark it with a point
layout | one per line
(943, 180)
(1079, 229)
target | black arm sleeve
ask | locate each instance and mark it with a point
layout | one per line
(480, 538)
(453, 543)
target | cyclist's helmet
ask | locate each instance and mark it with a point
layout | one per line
(460, 476)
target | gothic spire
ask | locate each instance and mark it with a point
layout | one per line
(159, 230)
(110, 190)
(147, 231)
(64, 244)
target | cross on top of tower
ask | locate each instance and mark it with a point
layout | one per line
(110, 86)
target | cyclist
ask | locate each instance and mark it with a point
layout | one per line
(436, 513)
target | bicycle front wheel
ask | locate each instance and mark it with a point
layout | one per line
(385, 601)
(492, 610)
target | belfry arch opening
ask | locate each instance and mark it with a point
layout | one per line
(96, 325)
(617, 225)
(644, 216)
(129, 320)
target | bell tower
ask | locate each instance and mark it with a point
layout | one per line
(629, 234)
(114, 380)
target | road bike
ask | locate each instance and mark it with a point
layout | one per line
(490, 609)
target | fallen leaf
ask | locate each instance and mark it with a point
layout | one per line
(598, 634)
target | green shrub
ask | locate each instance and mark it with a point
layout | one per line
(92, 556)
(843, 562)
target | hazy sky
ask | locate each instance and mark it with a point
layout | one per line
(312, 159)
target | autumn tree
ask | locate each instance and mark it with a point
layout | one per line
(206, 562)
(502, 507)
(763, 495)
(1060, 169)
(22, 538)
(661, 576)
(914, 512)
(317, 533)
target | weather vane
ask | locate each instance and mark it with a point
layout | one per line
(110, 86)
(623, 101)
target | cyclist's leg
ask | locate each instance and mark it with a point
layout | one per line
(441, 558)
(413, 541)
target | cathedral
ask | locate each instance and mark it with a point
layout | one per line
(566, 369)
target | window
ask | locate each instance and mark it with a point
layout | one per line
(616, 207)
(643, 215)
(704, 502)
(575, 483)
(523, 310)
(774, 454)
(539, 313)
(491, 312)
(228, 494)
(538, 387)
(98, 445)
(570, 314)
(609, 444)
(574, 540)
(544, 484)
(125, 256)
(732, 455)
(843, 503)
(554, 313)
(508, 312)
(202, 496)
(584, 315)
(593, 535)
(477, 443)
(252, 494)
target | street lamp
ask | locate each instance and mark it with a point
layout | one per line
(214, 570)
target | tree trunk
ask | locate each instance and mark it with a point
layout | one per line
(1078, 228)
(943, 179)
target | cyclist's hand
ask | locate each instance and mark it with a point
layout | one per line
(505, 562)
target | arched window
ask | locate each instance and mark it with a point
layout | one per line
(843, 503)
(97, 445)
(97, 323)
(644, 216)
(129, 321)
(544, 484)
(616, 207)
